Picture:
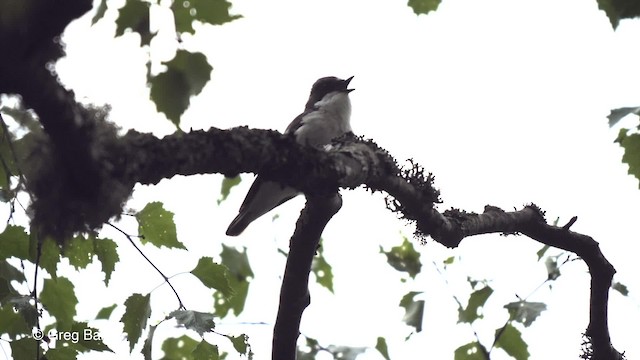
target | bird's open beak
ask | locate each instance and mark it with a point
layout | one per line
(346, 84)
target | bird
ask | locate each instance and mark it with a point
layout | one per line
(326, 116)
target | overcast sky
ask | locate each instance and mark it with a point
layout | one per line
(504, 101)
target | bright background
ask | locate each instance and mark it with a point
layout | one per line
(504, 101)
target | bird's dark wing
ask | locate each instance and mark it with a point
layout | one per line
(263, 196)
(295, 124)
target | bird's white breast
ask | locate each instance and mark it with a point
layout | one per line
(330, 120)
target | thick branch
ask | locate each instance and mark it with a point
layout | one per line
(142, 158)
(294, 294)
(530, 222)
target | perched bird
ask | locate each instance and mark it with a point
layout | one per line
(325, 117)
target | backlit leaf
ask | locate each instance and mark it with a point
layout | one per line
(214, 12)
(194, 320)
(156, 226)
(79, 251)
(148, 342)
(14, 242)
(227, 185)
(510, 340)
(414, 310)
(178, 348)
(102, 9)
(471, 351)
(24, 348)
(621, 288)
(525, 312)
(107, 253)
(205, 351)
(105, 312)
(631, 145)
(241, 344)
(423, 6)
(617, 114)
(11, 323)
(553, 270)
(59, 298)
(476, 301)
(136, 314)
(322, 271)
(381, 346)
(212, 275)
(134, 15)
(404, 258)
(186, 75)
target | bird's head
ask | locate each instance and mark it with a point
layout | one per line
(325, 86)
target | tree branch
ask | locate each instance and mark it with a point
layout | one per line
(294, 294)
(143, 158)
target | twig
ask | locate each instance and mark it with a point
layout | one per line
(166, 279)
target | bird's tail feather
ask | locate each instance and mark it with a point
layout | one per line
(238, 225)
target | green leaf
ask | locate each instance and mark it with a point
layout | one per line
(214, 12)
(631, 145)
(105, 312)
(137, 312)
(170, 93)
(50, 256)
(194, 67)
(107, 253)
(619, 9)
(471, 351)
(423, 6)
(553, 270)
(8, 274)
(14, 242)
(61, 353)
(449, 260)
(205, 351)
(609, 9)
(178, 348)
(223, 303)
(241, 344)
(345, 352)
(186, 75)
(22, 303)
(134, 15)
(24, 348)
(212, 275)
(157, 226)
(404, 258)
(477, 300)
(542, 251)
(621, 288)
(146, 349)
(102, 9)
(322, 270)
(237, 262)
(194, 320)
(525, 312)
(414, 310)
(79, 251)
(381, 346)
(89, 339)
(227, 184)
(510, 340)
(11, 323)
(617, 114)
(59, 298)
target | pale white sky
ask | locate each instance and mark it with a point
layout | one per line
(504, 101)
